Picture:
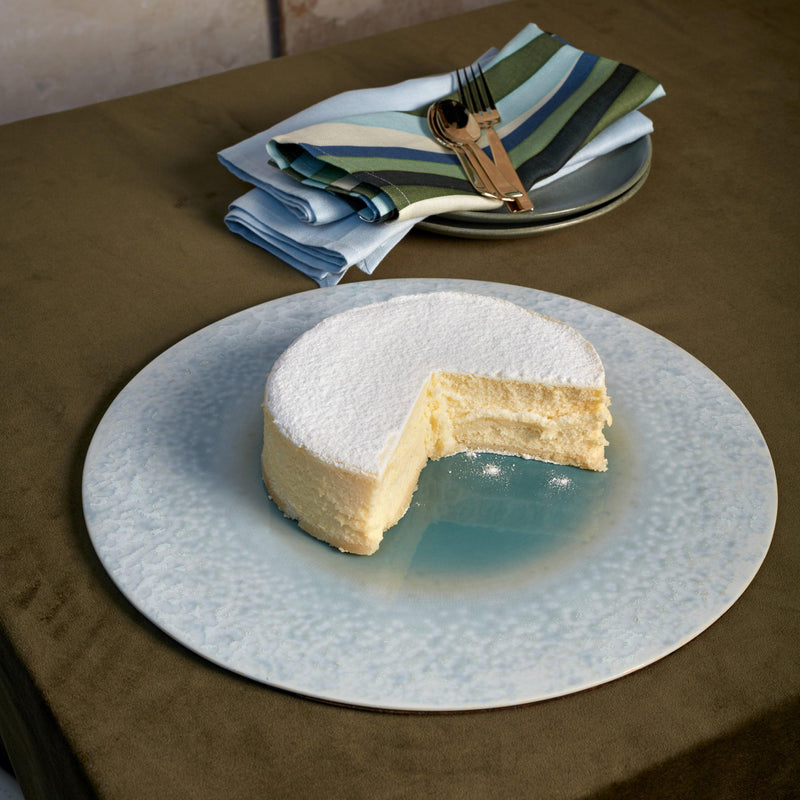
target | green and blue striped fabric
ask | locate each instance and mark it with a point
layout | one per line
(553, 98)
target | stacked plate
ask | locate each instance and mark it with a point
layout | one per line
(592, 190)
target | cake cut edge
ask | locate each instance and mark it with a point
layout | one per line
(351, 509)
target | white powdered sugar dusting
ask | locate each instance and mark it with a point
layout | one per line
(560, 483)
(345, 388)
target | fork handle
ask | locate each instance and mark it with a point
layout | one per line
(478, 181)
(491, 172)
(503, 163)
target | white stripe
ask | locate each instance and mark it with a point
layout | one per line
(447, 204)
(350, 134)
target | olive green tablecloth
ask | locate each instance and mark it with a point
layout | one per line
(112, 248)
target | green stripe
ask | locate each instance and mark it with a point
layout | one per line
(507, 76)
(634, 94)
(408, 195)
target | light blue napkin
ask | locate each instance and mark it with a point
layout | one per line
(315, 231)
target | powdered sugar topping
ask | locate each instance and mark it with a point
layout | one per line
(345, 388)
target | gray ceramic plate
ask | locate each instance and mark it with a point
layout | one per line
(508, 581)
(589, 192)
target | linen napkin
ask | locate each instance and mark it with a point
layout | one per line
(322, 232)
(553, 98)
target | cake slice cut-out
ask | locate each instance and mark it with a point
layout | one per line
(356, 406)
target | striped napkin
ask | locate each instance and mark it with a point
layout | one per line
(553, 99)
(322, 232)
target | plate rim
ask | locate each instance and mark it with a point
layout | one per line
(448, 227)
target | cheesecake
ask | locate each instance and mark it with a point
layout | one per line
(356, 406)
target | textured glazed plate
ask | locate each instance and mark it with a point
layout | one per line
(508, 581)
(590, 191)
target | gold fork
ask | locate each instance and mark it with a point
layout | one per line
(475, 94)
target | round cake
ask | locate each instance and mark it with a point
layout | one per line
(355, 407)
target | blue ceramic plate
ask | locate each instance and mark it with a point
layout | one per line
(508, 581)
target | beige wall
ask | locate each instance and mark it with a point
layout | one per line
(58, 54)
(309, 24)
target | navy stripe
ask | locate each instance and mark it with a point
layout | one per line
(574, 134)
(580, 72)
(371, 151)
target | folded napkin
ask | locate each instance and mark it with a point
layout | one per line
(552, 97)
(347, 186)
(323, 252)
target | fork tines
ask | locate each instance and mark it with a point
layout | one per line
(474, 90)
